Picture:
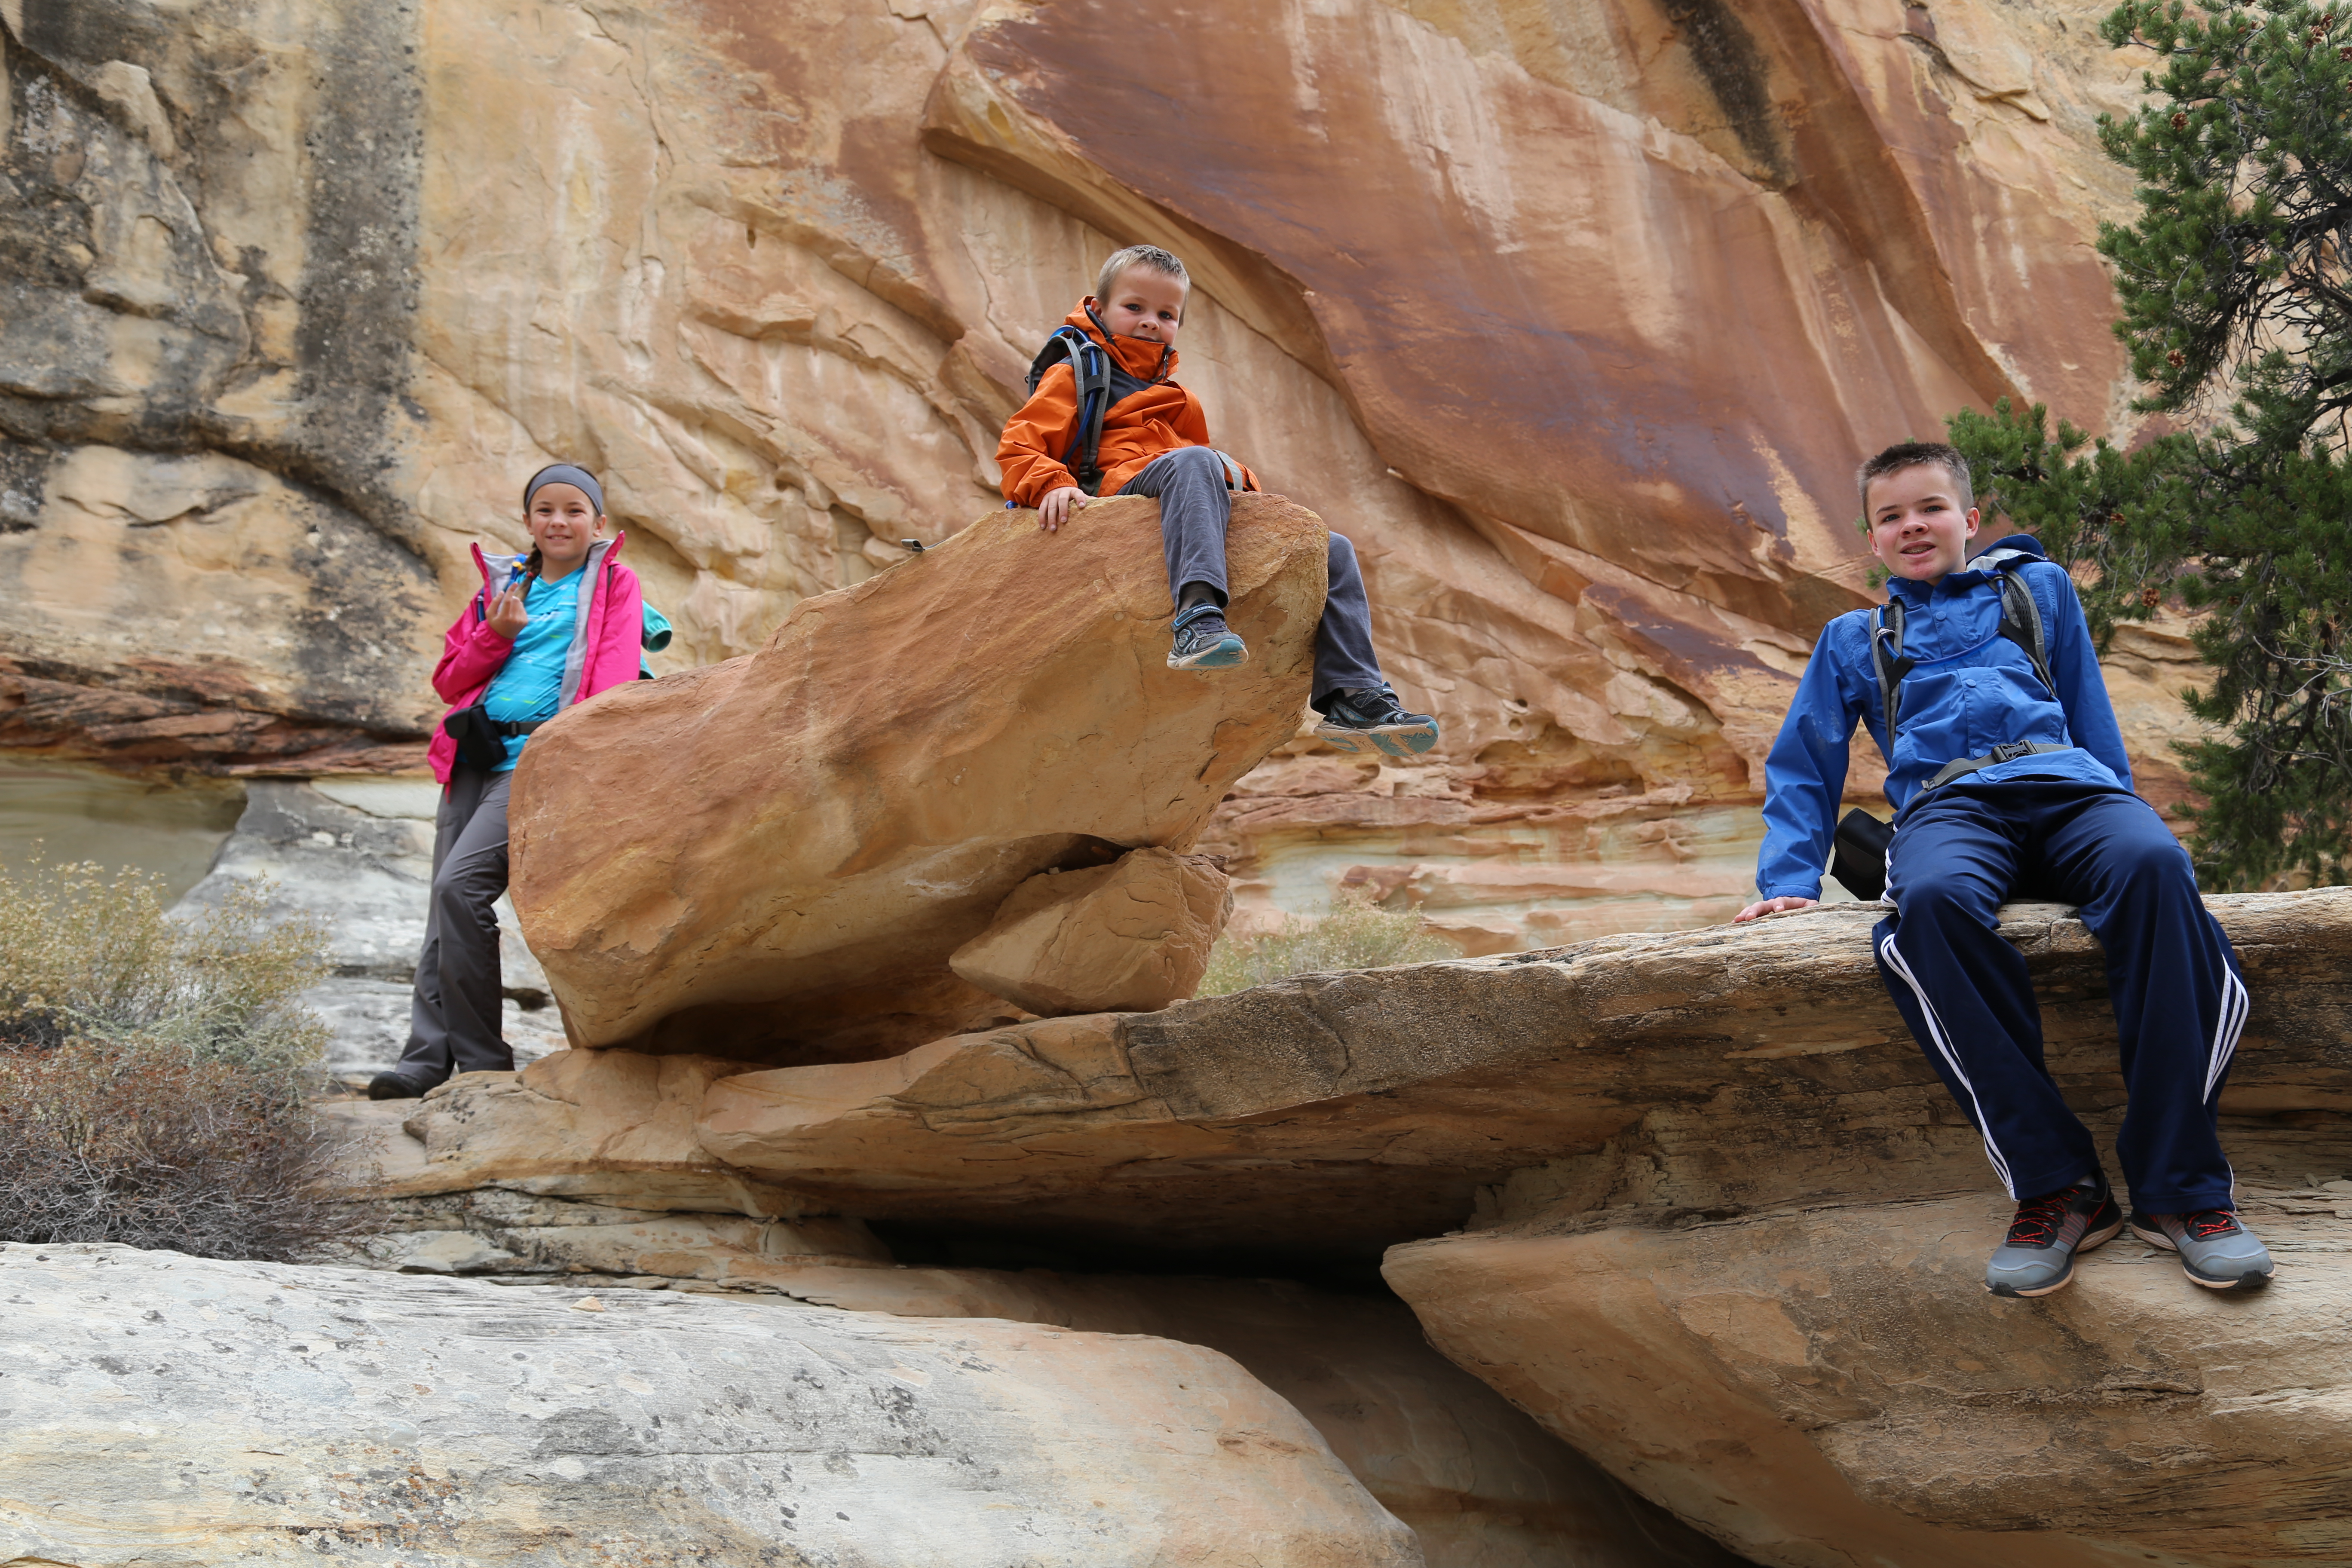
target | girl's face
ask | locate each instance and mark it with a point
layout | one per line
(563, 524)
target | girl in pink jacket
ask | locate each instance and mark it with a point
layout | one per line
(546, 630)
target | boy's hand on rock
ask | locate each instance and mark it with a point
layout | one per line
(1058, 506)
(508, 617)
(1763, 907)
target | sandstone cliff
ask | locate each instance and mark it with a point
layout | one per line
(1573, 320)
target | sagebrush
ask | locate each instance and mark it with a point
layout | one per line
(1353, 933)
(154, 1071)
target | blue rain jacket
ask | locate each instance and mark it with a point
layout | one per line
(1971, 691)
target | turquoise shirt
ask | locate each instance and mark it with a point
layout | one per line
(531, 683)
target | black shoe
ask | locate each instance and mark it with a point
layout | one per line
(1350, 718)
(392, 1086)
(2037, 1257)
(1204, 641)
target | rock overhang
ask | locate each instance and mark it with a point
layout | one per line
(1657, 1080)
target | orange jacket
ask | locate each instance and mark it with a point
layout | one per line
(1158, 417)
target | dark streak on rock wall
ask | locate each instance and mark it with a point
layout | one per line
(1736, 73)
(365, 143)
(126, 323)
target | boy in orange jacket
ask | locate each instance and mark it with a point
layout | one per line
(1153, 440)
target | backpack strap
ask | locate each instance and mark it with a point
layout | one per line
(2021, 612)
(1090, 370)
(2021, 623)
(1887, 662)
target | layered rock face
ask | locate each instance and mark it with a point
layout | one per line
(827, 822)
(585, 1168)
(1574, 322)
(1716, 1222)
(1391, 1099)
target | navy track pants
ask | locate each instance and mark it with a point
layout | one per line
(2179, 995)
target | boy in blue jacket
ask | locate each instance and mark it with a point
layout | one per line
(2006, 774)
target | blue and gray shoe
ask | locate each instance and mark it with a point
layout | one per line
(2037, 1257)
(1204, 641)
(1375, 720)
(2216, 1250)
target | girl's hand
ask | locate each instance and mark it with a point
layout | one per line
(1058, 506)
(508, 617)
(1772, 907)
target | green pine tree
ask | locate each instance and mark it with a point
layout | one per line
(2236, 286)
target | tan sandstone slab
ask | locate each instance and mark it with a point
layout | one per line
(1132, 936)
(1481, 1486)
(616, 1128)
(171, 1409)
(1835, 1386)
(1339, 1112)
(776, 855)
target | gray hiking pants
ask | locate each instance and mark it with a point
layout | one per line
(1195, 506)
(453, 1020)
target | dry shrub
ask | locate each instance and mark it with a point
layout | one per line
(153, 1146)
(153, 1070)
(1354, 933)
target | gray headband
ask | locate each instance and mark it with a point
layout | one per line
(565, 473)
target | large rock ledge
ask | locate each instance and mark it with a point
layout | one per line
(1694, 1203)
(1650, 1079)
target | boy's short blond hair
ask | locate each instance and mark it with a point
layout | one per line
(1149, 255)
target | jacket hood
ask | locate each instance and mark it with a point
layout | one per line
(495, 566)
(2023, 543)
(1143, 360)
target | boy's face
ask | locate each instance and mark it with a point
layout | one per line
(1144, 304)
(1916, 526)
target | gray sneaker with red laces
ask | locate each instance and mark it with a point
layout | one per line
(2216, 1250)
(2037, 1257)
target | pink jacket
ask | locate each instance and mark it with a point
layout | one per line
(472, 653)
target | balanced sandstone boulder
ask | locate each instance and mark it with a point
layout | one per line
(1130, 937)
(774, 857)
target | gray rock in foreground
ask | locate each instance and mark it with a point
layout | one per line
(163, 1410)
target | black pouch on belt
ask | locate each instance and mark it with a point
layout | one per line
(1860, 861)
(479, 744)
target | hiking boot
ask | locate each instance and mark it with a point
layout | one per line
(2215, 1250)
(1204, 641)
(392, 1086)
(1352, 718)
(2037, 1257)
